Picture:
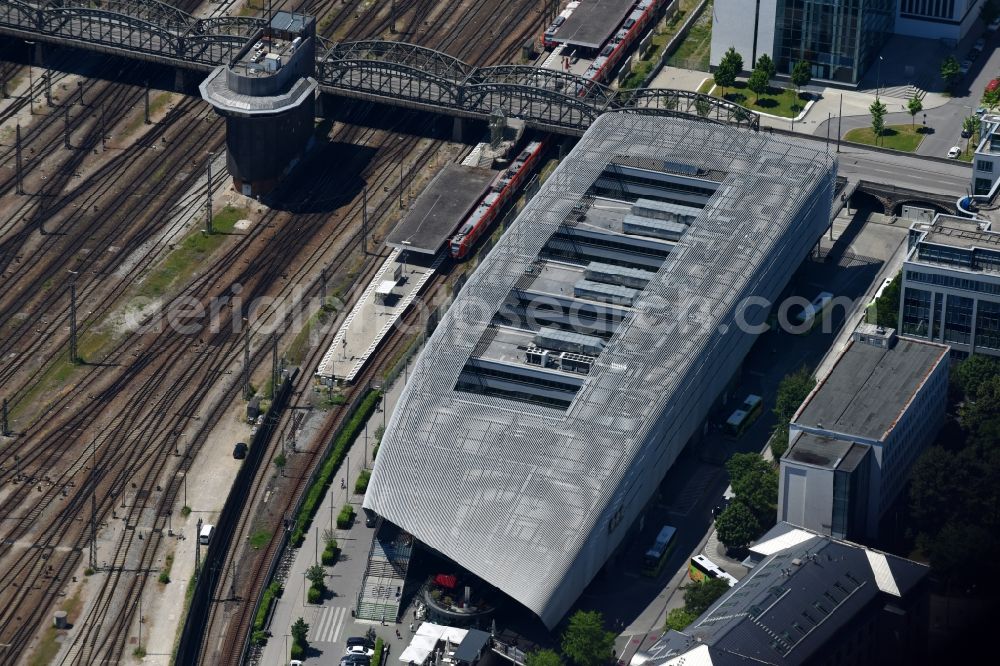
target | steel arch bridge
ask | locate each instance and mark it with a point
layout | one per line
(394, 73)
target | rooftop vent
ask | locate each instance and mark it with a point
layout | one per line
(796, 561)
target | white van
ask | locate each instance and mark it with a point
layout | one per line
(206, 534)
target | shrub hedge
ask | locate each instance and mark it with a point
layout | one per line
(345, 517)
(377, 657)
(271, 592)
(316, 492)
(361, 485)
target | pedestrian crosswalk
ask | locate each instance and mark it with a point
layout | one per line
(327, 625)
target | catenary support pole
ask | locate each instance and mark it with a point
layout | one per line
(246, 359)
(146, 102)
(66, 141)
(17, 152)
(4, 423)
(72, 323)
(364, 221)
(208, 196)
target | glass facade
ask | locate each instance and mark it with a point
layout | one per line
(958, 319)
(988, 325)
(916, 311)
(840, 38)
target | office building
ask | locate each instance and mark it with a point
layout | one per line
(584, 353)
(950, 20)
(951, 285)
(808, 600)
(839, 38)
(986, 163)
(853, 440)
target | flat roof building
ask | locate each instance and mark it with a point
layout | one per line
(856, 435)
(951, 285)
(525, 455)
(809, 599)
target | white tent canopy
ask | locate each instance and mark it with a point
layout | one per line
(439, 632)
(418, 650)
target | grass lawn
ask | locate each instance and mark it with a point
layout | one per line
(782, 102)
(897, 137)
(190, 253)
(259, 539)
(694, 51)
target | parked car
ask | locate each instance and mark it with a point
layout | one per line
(363, 650)
(966, 133)
(980, 44)
(359, 641)
(720, 507)
(954, 152)
(240, 451)
(965, 66)
(355, 660)
(993, 27)
(981, 111)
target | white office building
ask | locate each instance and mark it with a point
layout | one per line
(937, 19)
(853, 440)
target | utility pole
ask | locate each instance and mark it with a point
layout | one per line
(104, 134)
(48, 88)
(274, 368)
(4, 425)
(401, 185)
(93, 506)
(72, 323)
(79, 88)
(392, 17)
(31, 83)
(246, 359)
(208, 198)
(66, 143)
(20, 180)
(364, 219)
(840, 117)
(197, 551)
(146, 100)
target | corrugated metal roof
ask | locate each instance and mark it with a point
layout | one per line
(883, 574)
(783, 542)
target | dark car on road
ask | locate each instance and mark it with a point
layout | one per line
(240, 450)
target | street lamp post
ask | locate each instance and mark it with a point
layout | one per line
(31, 97)
(878, 78)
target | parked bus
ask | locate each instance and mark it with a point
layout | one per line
(701, 568)
(813, 313)
(740, 420)
(656, 556)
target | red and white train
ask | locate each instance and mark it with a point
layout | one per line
(500, 191)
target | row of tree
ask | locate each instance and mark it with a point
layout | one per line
(698, 596)
(764, 70)
(955, 484)
(585, 642)
(792, 391)
(754, 508)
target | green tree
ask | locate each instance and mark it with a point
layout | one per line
(543, 658)
(950, 71)
(991, 99)
(758, 83)
(742, 465)
(973, 373)
(885, 311)
(801, 75)
(970, 125)
(678, 619)
(765, 63)
(779, 439)
(878, 111)
(792, 391)
(729, 68)
(981, 417)
(737, 526)
(280, 461)
(299, 632)
(699, 595)
(725, 76)
(734, 58)
(316, 575)
(914, 106)
(585, 640)
(702, 106)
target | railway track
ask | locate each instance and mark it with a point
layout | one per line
(156, 366)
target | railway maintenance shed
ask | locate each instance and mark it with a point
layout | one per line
(592, 23)
(440, 208)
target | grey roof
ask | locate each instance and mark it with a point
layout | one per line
(793, 603)
(216, 91)
(826, 452)
(440, 208)
(472, 645)
(593, 22)
(869, 387)
(531, 498)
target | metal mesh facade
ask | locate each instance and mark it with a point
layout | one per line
(534, 499)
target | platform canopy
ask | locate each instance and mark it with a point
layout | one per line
(440, 209)
(593, 22)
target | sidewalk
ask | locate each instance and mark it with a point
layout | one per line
(331, 622)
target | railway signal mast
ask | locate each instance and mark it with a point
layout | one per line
(208, 200)
(20, 180)
(246, 359)
(4, 424)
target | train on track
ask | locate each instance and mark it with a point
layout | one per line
(639, 19)
(500, 191)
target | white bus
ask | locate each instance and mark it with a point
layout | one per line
(813, 313)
